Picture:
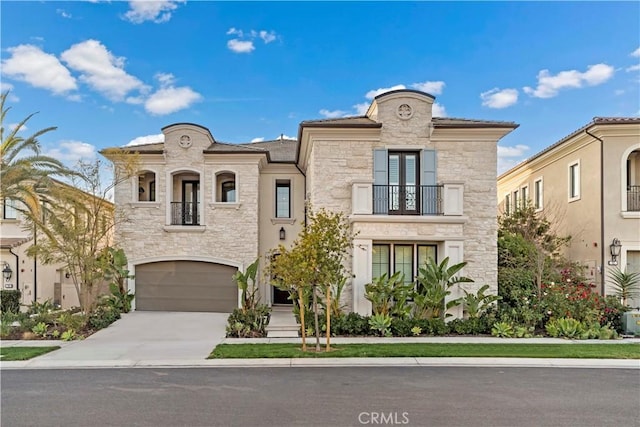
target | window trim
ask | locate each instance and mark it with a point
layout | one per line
(538, 196)
(9, 205)
(414, 256)
(515, 200)
(507, 203)
(217, 198)
(524, 196)
(575, 165)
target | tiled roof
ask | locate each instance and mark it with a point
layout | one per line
(595, 121)
(145, 148)
(12, 242)
(342, 121)
(224, 147)
(457, 122)
(280, 150)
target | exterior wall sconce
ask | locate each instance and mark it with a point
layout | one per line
(283, 234)
(67, 275)
(614, 248)
(7, 272)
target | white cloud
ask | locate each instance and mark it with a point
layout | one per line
(72, 151)
(101, 70)
(333, 114)
(167, 100)
(508, 157)
(361, 109)
(30, 64)
(635, 53)
(619, 92)
(267, 36)
(499, 98)
(633, 68)
(432, 88)
(64, 14)
(438, 110)
(549, 85)
(12, 127)
(158, 11)
(240, 46)
(373, 93)
(259, 139)
(514, 151)
(244, 41)
(147, 139)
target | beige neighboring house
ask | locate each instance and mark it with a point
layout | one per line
(37, 282)
(588, 185)
(412, 186)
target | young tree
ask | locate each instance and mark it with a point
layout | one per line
(24, 172)
(531, 233)
(315, 259)
(78, 223)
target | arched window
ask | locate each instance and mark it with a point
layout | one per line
(226, 187)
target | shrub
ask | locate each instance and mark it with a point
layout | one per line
(10, 301)
(390, 295)
(433, 327)
(502, 330)
(40, 329)
(71, 321)
(381, 324)
(352, 324)
(612, 311)
(571, 300)
(248, 323)
(404, 327)
(472, 326)
(566, 327)
(475, 305)
(103, 316)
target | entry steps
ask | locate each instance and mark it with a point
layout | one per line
(283, 323)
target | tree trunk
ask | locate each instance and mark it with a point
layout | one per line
(302, 326)
(315, 314)
(328, 313)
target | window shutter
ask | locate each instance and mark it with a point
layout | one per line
(380, 177)
(430, 200)
(380, 167)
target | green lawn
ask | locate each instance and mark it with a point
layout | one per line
(578, 351)
(24, 353)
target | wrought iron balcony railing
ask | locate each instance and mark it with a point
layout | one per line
(633, 198)
(407, 199)
(184, 213)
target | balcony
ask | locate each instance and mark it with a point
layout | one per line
(184, 213)
(424, 200)
(407, 199)
(633, 198)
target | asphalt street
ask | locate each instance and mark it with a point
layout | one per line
(349, 396)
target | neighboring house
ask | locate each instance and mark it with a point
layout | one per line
(588, 186)
(37, 282)
(412, 186)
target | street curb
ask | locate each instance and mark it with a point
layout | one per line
(333, 362)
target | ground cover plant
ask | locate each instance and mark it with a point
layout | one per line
(579, 351)
(24, 353)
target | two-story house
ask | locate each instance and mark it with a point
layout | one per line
(37, 281)
(412, 186)
(588, 185)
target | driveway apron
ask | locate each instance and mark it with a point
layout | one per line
(140, 336)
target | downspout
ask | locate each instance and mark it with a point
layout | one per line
(17, 268)
(305, 192)
(35, 269)
(601, 210)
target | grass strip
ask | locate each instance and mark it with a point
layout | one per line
(24, 353)
(562, 351)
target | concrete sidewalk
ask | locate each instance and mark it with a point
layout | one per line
(169, 355)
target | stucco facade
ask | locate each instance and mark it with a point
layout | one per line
(589, 185)
(410, 184)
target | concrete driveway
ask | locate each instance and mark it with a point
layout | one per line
(140, 337)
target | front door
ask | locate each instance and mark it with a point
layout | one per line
(190, 199)
(403, 183)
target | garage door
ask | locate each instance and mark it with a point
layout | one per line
(185, 286)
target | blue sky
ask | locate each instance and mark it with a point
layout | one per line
(109, 73)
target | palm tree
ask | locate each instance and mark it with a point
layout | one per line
(24, 172)
(626, 285)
